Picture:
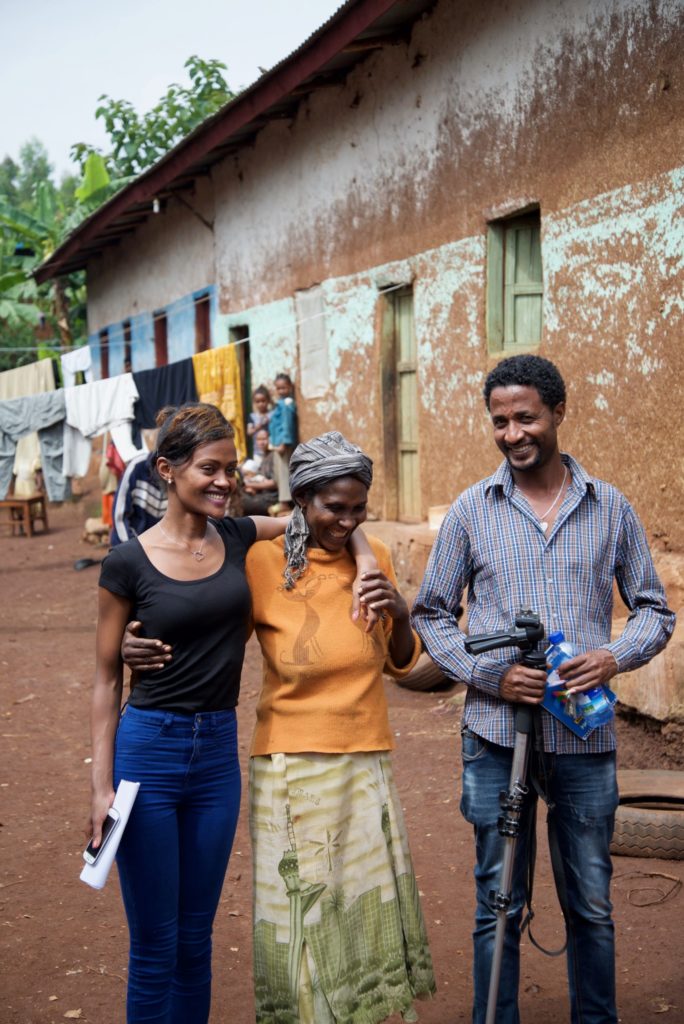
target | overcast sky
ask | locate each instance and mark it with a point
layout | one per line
(59, 56)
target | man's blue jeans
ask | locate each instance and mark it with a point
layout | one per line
(583, 799)
(174, 853)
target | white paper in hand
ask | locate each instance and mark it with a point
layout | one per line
(95, 875)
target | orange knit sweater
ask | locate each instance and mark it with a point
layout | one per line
(322, 688)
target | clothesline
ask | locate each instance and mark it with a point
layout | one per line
(120, 339)
(66, 419)
(46, 346)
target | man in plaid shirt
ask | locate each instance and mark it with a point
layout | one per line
(541, 533)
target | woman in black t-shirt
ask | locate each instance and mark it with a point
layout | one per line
(184, 579)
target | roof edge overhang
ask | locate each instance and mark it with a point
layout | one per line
(274, 86)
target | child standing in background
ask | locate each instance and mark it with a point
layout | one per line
(260, 414)
(282, 429)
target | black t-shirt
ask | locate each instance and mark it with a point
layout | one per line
(205, 621)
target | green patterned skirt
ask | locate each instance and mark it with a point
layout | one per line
(339, 936)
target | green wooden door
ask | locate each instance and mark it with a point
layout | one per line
(407, 408)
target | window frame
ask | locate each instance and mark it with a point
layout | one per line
(501, 286)
(160, 321)
(104, 353)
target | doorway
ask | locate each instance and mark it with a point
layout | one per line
(400, 407)
(239, 336)
(161, 339)
(202, 324)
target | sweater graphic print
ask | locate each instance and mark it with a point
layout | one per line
(307, 648)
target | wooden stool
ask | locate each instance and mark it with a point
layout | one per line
(23, 513)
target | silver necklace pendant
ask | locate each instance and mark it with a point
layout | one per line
(544, 525)
(197, 555)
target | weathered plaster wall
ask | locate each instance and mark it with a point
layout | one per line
(575, 106)
(488, 106)
(614, 319)
(168, 257)
(613, 316)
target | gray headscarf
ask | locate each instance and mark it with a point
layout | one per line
(314, 464)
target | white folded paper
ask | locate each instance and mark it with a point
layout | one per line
(95, 875)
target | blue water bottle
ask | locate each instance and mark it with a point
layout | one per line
(595, 706)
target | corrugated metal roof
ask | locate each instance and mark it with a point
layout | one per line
(321, 61)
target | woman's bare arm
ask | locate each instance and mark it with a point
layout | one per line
(270, 527)
(366, 561)
(113, 614)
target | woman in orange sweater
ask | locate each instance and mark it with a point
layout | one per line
(338, 929)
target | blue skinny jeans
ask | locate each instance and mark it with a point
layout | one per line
(583, 792)
(174, 853)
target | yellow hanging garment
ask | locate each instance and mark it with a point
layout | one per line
(217, 379)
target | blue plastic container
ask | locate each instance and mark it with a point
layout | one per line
(587, 710)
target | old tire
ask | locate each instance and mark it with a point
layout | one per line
(425, 676)
(649, 832)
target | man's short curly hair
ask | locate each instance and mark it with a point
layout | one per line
(527, 371)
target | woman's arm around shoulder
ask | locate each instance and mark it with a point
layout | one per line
(270, 527)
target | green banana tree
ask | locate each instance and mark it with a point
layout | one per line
(35, 236)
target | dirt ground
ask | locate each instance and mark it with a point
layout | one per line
(63, 947)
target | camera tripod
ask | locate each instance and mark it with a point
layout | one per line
(526, 635)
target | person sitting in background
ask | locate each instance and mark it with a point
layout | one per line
(259, 490)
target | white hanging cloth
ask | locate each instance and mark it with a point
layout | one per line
(93, 408)
(78, 360)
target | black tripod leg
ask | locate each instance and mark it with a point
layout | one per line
(509, 827)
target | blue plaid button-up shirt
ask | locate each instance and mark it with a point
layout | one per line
(492, 543)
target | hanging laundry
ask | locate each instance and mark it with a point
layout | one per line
(21, 382)
(92, 409)
(164, 385)
(78, 360)
(217, 376)
(42, 413)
